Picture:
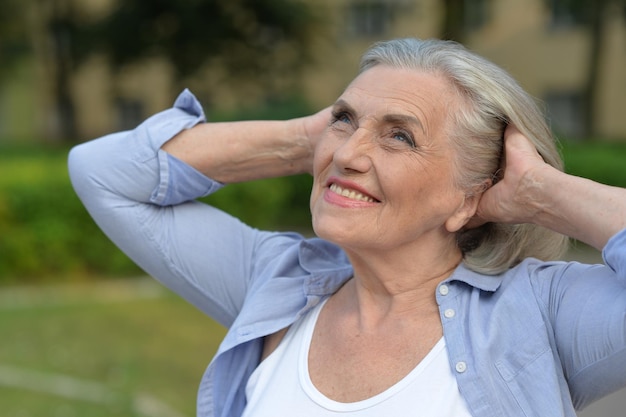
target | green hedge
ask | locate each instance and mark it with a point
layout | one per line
(46, 234)
(604, 162)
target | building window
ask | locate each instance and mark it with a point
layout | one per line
(369, 18)
(129, 113)
(476, 14)
(567, 13)
(566, 113)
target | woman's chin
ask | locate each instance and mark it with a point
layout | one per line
(341, 235)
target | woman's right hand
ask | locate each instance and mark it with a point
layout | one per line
(231, 152)
(312, 128)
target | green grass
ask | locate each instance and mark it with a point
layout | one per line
(157, 346)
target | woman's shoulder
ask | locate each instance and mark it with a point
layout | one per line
(531, 273)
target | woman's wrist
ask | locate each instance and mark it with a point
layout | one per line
(536, 194)
(299, 146)
(576, 207)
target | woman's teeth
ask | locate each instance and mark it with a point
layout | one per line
(351, 194)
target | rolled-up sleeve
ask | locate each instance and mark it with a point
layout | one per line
(144, 201)
(587, 309)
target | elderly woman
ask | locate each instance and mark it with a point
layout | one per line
(438, 199)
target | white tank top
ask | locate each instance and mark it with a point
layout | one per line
(281, 386)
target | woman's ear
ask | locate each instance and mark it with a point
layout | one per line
(468, 207)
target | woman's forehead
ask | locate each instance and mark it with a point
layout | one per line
(385, 90)
(388, 82)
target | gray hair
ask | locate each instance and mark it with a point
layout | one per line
(491, 100)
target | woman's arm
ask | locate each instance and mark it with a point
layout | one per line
(534, 192)
(585, 304)
(233, 152)
(143, 200)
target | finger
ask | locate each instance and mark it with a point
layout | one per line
(515, 141)
(511, 130)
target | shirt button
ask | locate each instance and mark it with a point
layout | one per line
(444, 290)
(449, 313)
(461, 367)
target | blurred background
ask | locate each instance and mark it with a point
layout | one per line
(82, 331)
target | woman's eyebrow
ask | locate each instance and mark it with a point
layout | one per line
(403, 119)
(342, 104)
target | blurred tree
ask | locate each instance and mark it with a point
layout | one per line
(461, 17)
(248, 38)
(59, 38)
(13, 39)
(61, 30)
(453, 26)
(593, 15)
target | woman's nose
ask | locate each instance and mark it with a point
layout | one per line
(354, 154)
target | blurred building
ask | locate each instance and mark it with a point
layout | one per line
(546, 47)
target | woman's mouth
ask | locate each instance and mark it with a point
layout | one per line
(351, 194)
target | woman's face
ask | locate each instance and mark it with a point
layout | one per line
(383, 172)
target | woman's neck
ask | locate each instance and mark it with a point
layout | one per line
(398, 284)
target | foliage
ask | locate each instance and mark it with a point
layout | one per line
(453, 20)
(600, 161)
(251, 37)
(45, 233)
(275, 204)
(247, 38)
(279, 108)
(13, 39)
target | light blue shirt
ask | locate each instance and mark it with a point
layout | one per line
(541, 339)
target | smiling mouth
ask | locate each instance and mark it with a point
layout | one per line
(351, 194)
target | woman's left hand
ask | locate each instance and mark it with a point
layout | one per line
(508, 201)
(532, 191)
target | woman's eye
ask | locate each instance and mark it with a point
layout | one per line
(404, 137)
(341, 117)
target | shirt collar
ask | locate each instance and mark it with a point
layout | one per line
(327, 264)
(481, 281)
(330, 268)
